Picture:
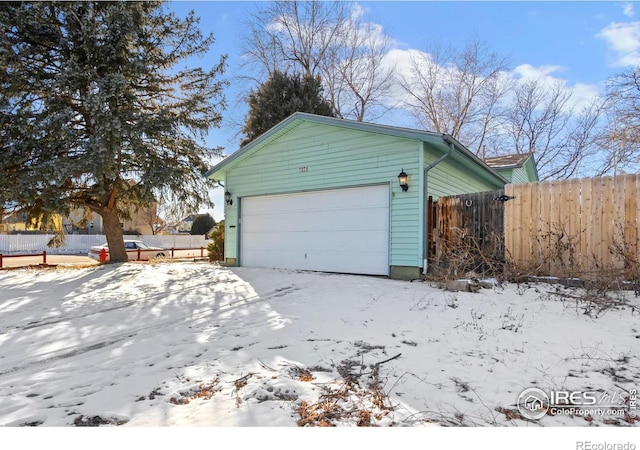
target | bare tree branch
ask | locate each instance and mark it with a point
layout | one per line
(326, 38)
(457, 92)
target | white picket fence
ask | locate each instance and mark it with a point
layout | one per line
(80, 243)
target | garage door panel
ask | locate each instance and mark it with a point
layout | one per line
(274, 222)
(345, 230)
(372, 242)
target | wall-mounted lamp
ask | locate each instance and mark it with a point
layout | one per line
(227, 198)
(403, 179)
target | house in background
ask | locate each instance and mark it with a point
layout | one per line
(334, 195)
(184, 226)
(74, 223)
(18, 221)
(141, 222)
(14, 222)
(519, 168)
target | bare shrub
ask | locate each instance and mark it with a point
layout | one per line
(463, 256)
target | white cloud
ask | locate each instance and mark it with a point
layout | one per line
(582, 94)
(402, 63)
(623, 40)
(529, 72)
(628, 9)
(357, 11)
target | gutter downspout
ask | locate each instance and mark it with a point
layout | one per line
(425, 250)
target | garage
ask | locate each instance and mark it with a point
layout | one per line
(336, 230)
(328, 194)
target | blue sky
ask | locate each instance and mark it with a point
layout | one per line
(581, 43)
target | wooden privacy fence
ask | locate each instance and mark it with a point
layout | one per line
(466, 231)
(582, 227)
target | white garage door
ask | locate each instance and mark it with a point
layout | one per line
(340, 230)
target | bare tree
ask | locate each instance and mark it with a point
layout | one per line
(149, 217)
(354, 70)
(457, 92)
(542, 120)
(325, 38)
(622, 136)
(292, 35)
(169, 213)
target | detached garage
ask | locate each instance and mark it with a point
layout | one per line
(326, 194)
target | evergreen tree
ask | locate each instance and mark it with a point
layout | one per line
(98, 109)
(279, 97)
(202, 224)
(215, 249)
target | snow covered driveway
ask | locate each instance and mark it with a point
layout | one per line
(196, 344)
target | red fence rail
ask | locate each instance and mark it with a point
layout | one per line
(43, 254)
(104, 255)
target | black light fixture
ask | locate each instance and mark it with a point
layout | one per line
(403, 179)
(227, 198)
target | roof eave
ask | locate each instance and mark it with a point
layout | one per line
(264, 137)
(474, 159)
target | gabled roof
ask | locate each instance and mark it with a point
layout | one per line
(435, 140)
(15, 217)
(515, 161)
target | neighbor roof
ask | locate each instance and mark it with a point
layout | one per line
(508, 161)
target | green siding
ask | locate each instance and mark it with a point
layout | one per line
(451, 178)
(520, 174)
(335, 157)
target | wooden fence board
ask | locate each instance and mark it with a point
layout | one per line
(617, 243)
(555, 200)
(531, 198)
(607, 221)
(544, 228)
(535, 224)
(596, 230)
(586, 224)
(630, 235)
(509, 190)
(575, 215)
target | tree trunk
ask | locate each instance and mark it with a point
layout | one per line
(113, 232)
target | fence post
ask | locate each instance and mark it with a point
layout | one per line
(201, 252)
(44, 257)
(0, 260)
(172, 248)
(138, 255)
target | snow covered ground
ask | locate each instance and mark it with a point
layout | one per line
(194, 344)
